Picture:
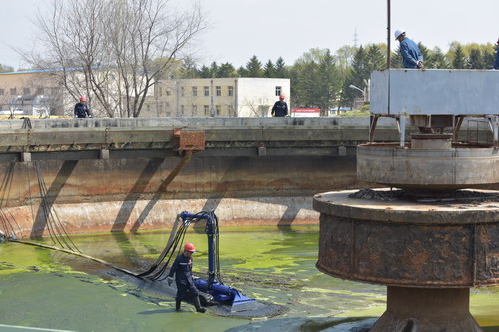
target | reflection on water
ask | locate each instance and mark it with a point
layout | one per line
(48, 289)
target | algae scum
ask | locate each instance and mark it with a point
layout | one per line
(49, 289)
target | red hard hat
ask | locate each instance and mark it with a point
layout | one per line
(189, 247)
(83, 99)
(281, 97)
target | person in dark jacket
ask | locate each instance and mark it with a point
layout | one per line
(182, 269)
(280, 108)
(82, 110)
(411, 54)
(496, 62)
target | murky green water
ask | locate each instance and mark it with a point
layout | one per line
(48, 289)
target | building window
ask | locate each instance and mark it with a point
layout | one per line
(194, 109)
(207, 110)
(219, 109)
(219, 91)
(182, 91)
(231, 110)
(231, 91)
(194, 91)
(160, 92)
(26, 91)
(13, 91)
(182, 109)
(168, 92)
(39, 91)
(1, 92)
(206, 91)
(278, 90)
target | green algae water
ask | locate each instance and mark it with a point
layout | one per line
(53, 290)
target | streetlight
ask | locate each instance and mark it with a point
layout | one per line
(364, 93)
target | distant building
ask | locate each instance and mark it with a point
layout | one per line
(205, 97)
(30, 93)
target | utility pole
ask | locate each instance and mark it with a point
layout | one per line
(388, 44)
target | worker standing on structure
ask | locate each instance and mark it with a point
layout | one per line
(411, 54)
(82, 110)
(496, 62)
(182, 269)
(280, 108)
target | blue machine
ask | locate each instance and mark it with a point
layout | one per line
(214, 286)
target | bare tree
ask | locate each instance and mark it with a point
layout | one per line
(113, 50)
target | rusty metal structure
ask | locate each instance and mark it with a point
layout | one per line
(429, 240)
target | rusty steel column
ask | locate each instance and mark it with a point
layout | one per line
(420, 309)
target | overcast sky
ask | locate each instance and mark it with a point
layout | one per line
(288, 28)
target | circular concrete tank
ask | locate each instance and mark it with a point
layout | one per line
(427, 169)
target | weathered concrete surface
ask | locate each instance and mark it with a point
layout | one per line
(103, 195)
(408, 244)
(435, 169)
(146, 214)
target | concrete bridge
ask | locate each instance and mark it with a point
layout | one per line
(114, 174)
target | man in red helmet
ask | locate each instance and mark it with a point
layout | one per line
(280, 108)
(82, 110)
(182, 269)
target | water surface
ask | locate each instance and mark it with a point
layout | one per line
(49, 289)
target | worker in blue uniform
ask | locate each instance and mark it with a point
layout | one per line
(82, 110)
(496, 62)
(280, 108)
(182, 269)
(411, 54)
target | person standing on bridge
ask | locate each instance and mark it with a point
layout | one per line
(280, 108)
(82, 110)
(182, 269)
(411, 54)
(496, 62)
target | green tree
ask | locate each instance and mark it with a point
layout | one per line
(488, 59)
(254, 67)
(475, 59)
(425, 52)
(360, 72)
(459, 60)
(214, 69)
(204, 72)
(269, 70)
(305, 80)
(327, 84)
(242, 72)
(280, 68)
(226, 70)
(436, 60)
(376, 59)
(396, 58)
(6, 69)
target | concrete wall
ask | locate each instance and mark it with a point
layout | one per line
(123, 194)
(116, 195)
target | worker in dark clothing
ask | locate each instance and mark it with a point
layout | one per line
(182, 269)
(280, 108)
(411, 54)
(496, 62)
(82, 110)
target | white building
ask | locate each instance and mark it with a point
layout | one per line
(202, 97)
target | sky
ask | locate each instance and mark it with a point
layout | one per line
(239, 29)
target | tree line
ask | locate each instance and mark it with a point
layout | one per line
(114, 52)
(321, 79)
